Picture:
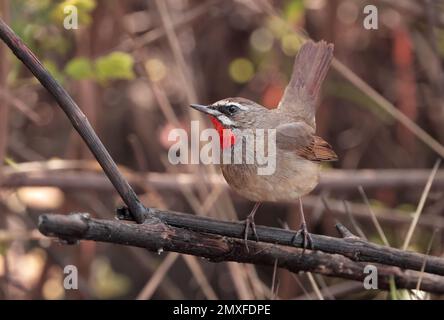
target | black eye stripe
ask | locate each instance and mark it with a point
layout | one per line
(230, 108)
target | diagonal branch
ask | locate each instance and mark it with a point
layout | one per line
(77, 118)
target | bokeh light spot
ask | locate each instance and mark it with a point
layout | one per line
(261, 39)
(277, 26)
(241, 70)
(348, 12)
(290, 44)
(156, 69)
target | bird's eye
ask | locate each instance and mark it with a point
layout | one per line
(232, 109)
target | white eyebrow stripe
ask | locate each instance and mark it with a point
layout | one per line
(227, 102)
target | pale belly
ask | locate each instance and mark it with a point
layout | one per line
(293, 178)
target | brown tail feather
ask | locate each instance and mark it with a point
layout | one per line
(311, 66)
(309, 71)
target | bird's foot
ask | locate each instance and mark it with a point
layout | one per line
(249, 223)
(307, 241)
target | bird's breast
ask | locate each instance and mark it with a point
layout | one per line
(292, 178)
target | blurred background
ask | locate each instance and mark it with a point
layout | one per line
(134, 66)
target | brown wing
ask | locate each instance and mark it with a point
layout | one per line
(299, 136)
(318, 150)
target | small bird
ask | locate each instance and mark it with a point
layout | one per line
(299, 151)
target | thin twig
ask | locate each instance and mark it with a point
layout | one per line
(240, 285)
(353, 221)
(429, 247)
(342, 289)
(374, 219)
(273, 279)
(27, 111)
(325, 291)
(201, 278)
(420, 206)
(155, 34)
(151, 286)
(315, 286)
(307, 295)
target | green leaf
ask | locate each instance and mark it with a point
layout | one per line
(117, 65)
(79, 69)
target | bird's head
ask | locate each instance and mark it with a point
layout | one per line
(233, 113)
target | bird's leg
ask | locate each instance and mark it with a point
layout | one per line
(307, 241)
(249, 222)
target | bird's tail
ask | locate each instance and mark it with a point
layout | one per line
(309, 71)
(311, 66)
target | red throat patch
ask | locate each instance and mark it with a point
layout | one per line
(226, 136)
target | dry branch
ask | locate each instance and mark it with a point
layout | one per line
(158, 237)
(353, 247)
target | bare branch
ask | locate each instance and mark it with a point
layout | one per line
(353, 248)
(159, 237)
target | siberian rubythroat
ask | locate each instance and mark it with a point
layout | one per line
(298, 150)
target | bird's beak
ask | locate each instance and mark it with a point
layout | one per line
(206, 109)
(223, 119)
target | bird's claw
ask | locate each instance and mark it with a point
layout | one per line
(249, 223)
(307, 241)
